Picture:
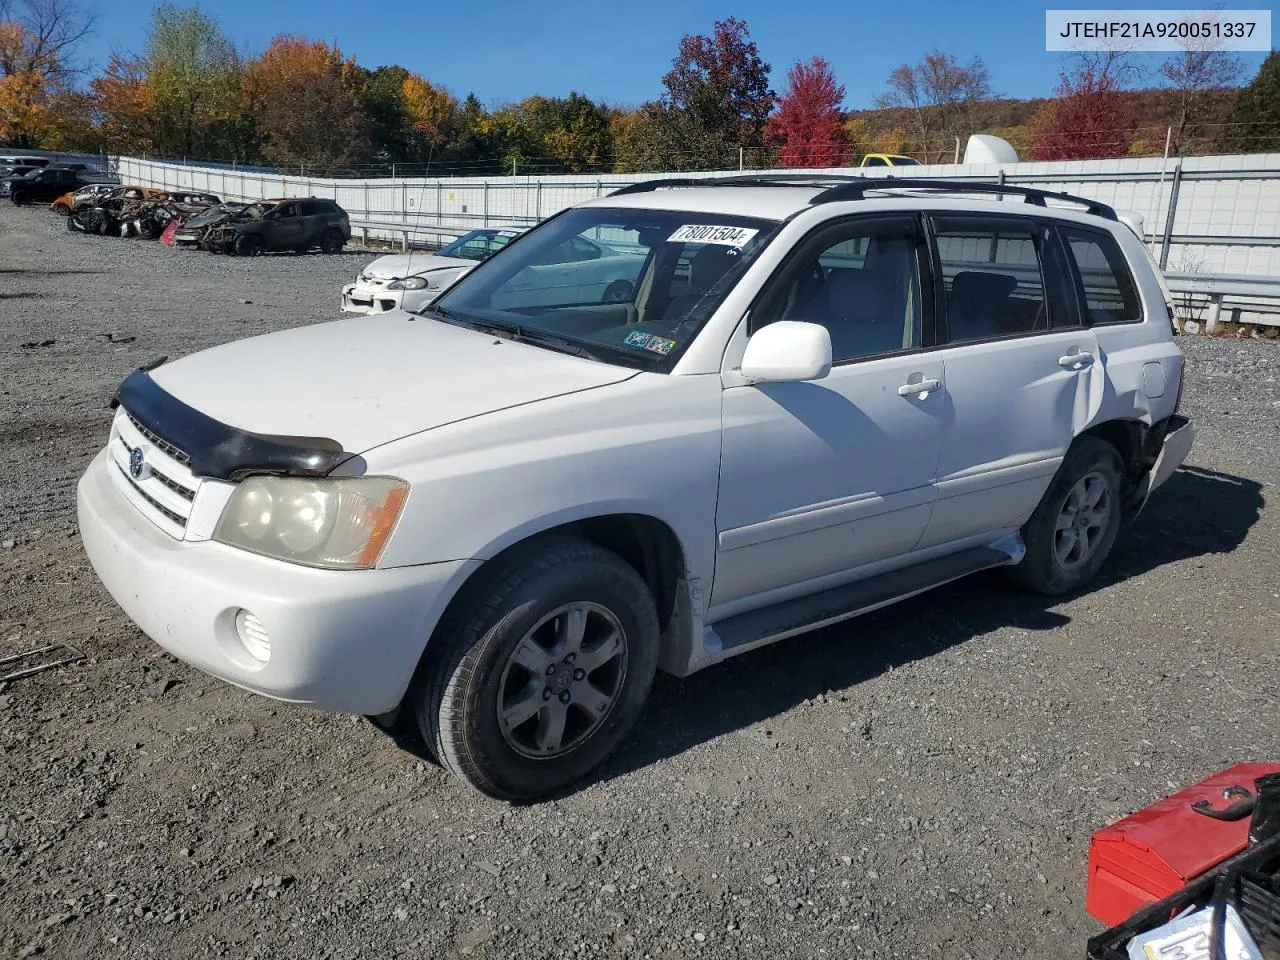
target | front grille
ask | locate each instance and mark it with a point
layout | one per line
(164, 445)
(165, 491)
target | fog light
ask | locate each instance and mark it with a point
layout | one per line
(253, 634)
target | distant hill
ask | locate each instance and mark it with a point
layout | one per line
(1150, 112)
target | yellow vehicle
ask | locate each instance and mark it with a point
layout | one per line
(888, 160)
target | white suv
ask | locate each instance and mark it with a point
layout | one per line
(493, 520)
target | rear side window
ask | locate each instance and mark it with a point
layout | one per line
(311, 209)
(994, 278)
(1105, 285)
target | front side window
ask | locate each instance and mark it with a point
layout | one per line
(653, 278)
(861, 281)
(1106, 284)
(992, 276)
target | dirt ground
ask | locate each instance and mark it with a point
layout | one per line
(918, 783)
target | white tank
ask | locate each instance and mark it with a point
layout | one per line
(984, 148)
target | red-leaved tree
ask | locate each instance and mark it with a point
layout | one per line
(1087, 120)
(808, 128)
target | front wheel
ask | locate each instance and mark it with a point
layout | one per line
(248, 245)
(1075, 525)
(20, 198)
(540, 671)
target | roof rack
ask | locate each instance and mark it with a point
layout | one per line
(742, 180)
(855, 191)
(846, 187)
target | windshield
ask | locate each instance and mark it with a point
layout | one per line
(632, 286)
(478, 244)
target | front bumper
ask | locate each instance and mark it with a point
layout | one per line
(342, 641)
(374, 300)
(370, 300)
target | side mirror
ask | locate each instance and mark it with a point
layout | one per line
(786, 351)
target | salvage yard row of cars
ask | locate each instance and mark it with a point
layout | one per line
(177, 217)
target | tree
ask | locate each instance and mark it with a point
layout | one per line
(941, 96)
(1192, 73)
(1088, 120)
(1253, 126)
(302, 94)
(124, 98)
(717, 100)
(808, 129)
(38, 40)
(195, 78)
(429, 113)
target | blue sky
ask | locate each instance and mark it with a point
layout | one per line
(507, 49)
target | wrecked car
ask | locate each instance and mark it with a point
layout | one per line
(411, 281)
(191, 232)
(279, 224)
(86, 196)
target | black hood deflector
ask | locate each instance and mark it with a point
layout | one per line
(219, 451)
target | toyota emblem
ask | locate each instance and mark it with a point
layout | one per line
(136, 463)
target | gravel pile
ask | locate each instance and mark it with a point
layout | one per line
(921, 782)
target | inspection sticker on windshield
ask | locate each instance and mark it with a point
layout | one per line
(724, 236)
(648, 341)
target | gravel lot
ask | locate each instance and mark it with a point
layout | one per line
(918, 783)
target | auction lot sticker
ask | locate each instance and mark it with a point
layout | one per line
(722, 235)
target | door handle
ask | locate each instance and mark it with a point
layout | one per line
(1076, 361)
(920, 389)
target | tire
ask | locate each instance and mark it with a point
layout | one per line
(20, 198)
(620, 291)
(527, 602)
(102, 225)
(332, 241)
(1089, 486)
(249, 245)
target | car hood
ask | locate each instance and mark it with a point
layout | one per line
(407, 265)
(364, 382)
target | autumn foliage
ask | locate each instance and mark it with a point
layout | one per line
(1086, 121)
(808, 129)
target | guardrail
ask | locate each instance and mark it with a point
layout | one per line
(404, 230)
(1257, 296)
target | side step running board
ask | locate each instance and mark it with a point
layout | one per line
(841, 603)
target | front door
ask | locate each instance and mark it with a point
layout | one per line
(1023, 375)
(289, 229)
(820, 478)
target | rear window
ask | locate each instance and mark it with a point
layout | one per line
(1106, 286)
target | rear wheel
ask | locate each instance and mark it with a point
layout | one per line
(249, 245)
(540, 670)
(1075, 525)
(21, 198)
(618, 292)
(332, 241)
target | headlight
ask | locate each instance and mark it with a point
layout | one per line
(408, 283)
(341, 523)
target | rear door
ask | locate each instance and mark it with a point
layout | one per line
(1023, 374)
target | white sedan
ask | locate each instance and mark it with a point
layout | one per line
(411, 281)
(581, 269)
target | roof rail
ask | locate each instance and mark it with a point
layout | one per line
(856, 191)
(741, 180)
(846, 187)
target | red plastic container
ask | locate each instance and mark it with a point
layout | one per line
(1155, 852)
